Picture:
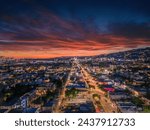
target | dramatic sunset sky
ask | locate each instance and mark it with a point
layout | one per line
(54, 28)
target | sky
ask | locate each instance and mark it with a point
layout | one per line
(56, 28)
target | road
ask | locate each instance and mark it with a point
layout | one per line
(138, 94)
(106, 103)
(56, 106)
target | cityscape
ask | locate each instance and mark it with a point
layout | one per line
(74, 56)
(113, 83)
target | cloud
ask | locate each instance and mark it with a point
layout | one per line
(48, 32)
(131, 30)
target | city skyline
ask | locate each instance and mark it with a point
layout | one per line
(113, 83)
(47, 29)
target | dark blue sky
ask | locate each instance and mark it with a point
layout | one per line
(86, 23)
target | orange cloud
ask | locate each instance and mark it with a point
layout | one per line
(51, 36)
